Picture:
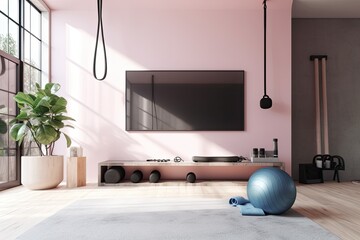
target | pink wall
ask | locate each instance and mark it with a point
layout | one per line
(172, 35)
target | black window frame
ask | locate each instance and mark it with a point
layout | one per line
(19, 58)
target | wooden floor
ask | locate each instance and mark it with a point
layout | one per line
(335, 206)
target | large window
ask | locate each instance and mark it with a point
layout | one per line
(32, 46)
(9, 27)
(21, 36)
(23, 51)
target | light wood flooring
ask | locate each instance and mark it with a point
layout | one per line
(334, 206)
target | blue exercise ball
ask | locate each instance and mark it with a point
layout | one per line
(272, 190)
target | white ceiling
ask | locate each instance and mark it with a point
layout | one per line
(159, 4)
(300, 8)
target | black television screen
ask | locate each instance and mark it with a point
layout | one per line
(185, 100)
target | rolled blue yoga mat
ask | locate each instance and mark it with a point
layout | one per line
(246, 208)
(249, 210)
(238, 201)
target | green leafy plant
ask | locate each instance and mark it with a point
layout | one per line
(41, 117)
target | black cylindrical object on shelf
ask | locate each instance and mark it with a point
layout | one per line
(191, 177)
(154, 176)
(262, 152)
(121, 171)
(136, 176)
(276, 151)
(255, 153)
(114, 174)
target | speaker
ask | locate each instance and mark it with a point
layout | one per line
(308, 173)
(265, 102)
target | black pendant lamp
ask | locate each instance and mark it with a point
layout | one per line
(100, 29)
(265, 102)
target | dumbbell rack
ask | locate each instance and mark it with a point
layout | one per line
(178, 170)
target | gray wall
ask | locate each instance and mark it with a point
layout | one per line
(340, 40)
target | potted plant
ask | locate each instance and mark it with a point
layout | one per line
(41, 119)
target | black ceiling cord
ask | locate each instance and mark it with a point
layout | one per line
(265, 102)
(100, 29)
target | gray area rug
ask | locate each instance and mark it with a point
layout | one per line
(166, 219)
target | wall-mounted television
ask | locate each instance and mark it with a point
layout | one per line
(185, 100)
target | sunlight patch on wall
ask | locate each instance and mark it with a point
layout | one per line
(105, 99)
(80, 47)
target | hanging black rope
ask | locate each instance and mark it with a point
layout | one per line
(100, 29)
(266, 101)
(265, 7)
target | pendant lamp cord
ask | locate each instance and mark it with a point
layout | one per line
(100, 29)
(265, 47)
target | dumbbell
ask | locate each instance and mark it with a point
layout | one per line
(154, 176)
(136, 176)
(114, 174)
(191, 177)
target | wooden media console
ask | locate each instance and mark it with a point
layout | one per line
(179, 170)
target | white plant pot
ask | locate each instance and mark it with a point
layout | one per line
(42, 172)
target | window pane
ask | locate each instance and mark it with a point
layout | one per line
(35, 52)
(4, 77)
(27, 15)
(3, 33)
(12, 152)
(35, 22)
(12, 143)
(35, 151)
(27, 78)
(27, 144)
(12, 76)
(30, 147)
(4, 6)
(12, 105)
(13, 39)
(14, 10)
(27, 47)
(35, 78)
(31, 76)
(4, 166)
(3, 132)
(4, 102)
(12, 167)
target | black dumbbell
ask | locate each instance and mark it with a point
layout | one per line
(114, 174)
(191, 177)
(154, 176)
(136, 176)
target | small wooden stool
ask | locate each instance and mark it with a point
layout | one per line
(76, 172)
